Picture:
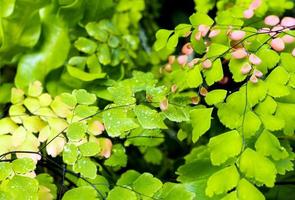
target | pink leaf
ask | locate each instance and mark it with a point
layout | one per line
(278, 44)
(255, 4)
(198, 36)
(56, 146)
(264, 30)
(187, 49)
(288, 21)
(257, 73)
(272, 20)
(275, 30)
(106, 145)
(182, 59)
(255, 60)
(288, 39)
(207, 64)
(193, 62)
(164, 104)
(237, 35)
(214, 33)
(239, 53)
(246, 68)
(253, 79)
(248, 13)
(204, 29)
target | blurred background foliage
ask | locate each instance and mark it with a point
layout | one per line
(57, 42)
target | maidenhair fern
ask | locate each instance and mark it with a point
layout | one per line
(96, 113)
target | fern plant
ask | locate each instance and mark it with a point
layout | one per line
(96, 113)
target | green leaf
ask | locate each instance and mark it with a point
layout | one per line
(118, 157)
(201, 121)
(287, 61)
(145, 137)
(269, 59)
(153, 155)
(255, 165)
(51, 54)
(204, 5)
(119, 193)
(86, 167)
(156, 94)
(47, 181)
(182, 30)
(70, 154)
(220, 152)
(214, 74)
(198, 45)
(128, 177)
(20, 187)
(256, 92)
(276, 82)
(222, 181)
(117, 122)
(268, 145)
(6, 7)
(286, 112)
(235, 66)
(85, 111)
(78, 61)
(100, 182)
(147, 185)
(85, 45)
(200, 18)
(7, 126)
(113, 41)
(76, 131)
(83, 97)
(104, 54)
(215, 96)
(5, 89)
(230, 113)
(32, 104)
(193, 78)
(272, 123)
(215, 50)
(60, 108)
(94, 30)
(17, 95)
(80, 193)
(197, 167)
(251, 124)
(89, 149)
(93, 65)
(23, 165)
(267, 106)
(286, 164)
(122, 95)
(171, 191)
(176, 113)
(141, 81)
(82, 75)
(149, 118)
(172, 41)
(246, 191)
(162, 36)
(33, 123)
(5, 170)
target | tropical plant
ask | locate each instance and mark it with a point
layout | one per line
(92, 110)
